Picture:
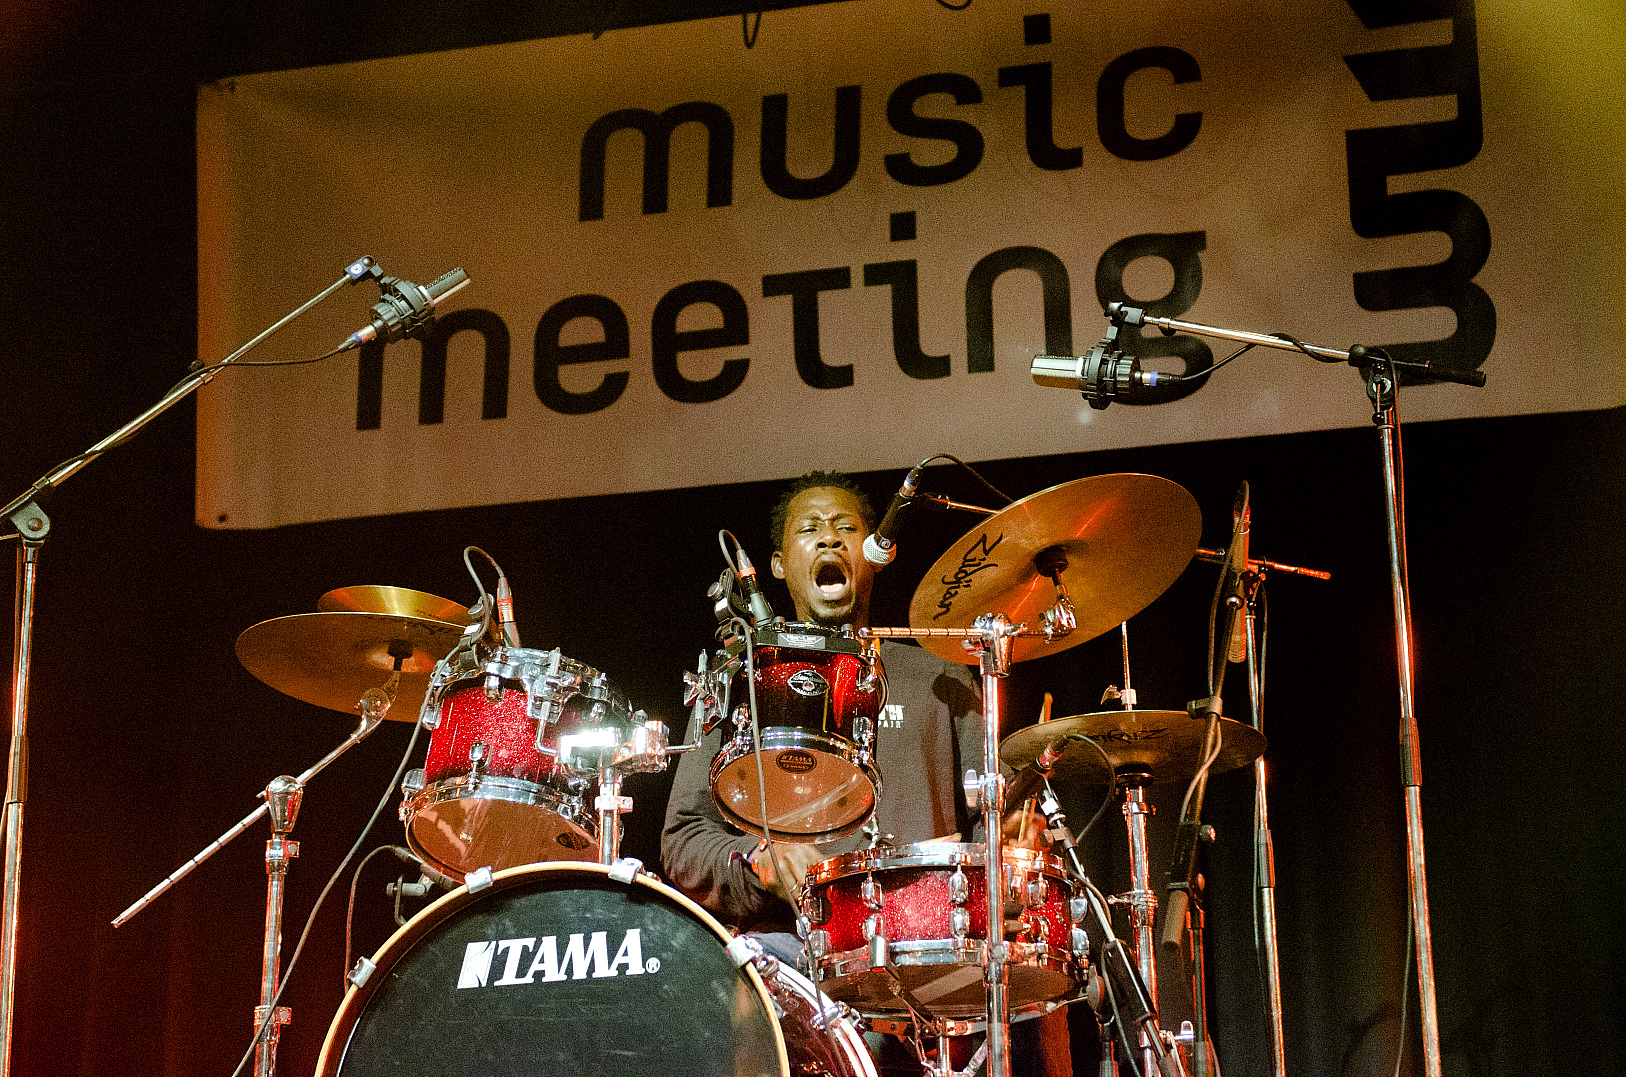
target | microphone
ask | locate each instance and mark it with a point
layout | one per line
(1102, 374)
(505, 612)
(761, 612)
(406, 309)
(1030, 779)
(881, 546)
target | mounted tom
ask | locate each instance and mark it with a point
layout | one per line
(818, 693)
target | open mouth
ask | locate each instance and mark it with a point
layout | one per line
(831, 580)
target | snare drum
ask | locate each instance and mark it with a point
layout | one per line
(560, 968)
(923, 909)
(492, 792)
(818, 696)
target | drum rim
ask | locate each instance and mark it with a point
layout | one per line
(412, 932)
(930, 854)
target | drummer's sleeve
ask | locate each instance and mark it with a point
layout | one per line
(703, 856)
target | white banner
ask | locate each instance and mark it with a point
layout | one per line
(695, 263)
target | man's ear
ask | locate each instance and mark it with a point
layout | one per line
(778, 565)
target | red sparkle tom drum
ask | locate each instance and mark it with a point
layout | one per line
(818, 695)
(927, 906)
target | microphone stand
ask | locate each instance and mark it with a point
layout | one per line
(1381, 373)
(33, 526)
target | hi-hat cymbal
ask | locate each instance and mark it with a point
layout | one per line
(397, 601)
(1121, 540)
(331, 658)
(1166, 744)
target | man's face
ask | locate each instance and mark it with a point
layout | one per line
(822, 558)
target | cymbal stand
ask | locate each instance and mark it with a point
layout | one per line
(1126, 979)
(1140, 902)
(281, 798)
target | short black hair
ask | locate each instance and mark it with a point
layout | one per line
(812, 481)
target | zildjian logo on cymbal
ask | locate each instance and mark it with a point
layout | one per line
(974, 561)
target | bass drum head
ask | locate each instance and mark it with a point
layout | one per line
(557, 969)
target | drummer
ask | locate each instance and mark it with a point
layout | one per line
(930, 731)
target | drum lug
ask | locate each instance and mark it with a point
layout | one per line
(879, 951)
(477, 758)
(959, 925)
(1036, 892)
(1078, 909)
(818, 944)
(413, 783)
(864, 732)
(815, 910)
(871, 893)
(959, 887)
(1081, 945)
(973, 790)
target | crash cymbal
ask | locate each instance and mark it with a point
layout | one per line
(1122, 540)
(399, 601)
(330, 659)
(1167, 744)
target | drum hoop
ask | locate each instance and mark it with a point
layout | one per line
(929, 854)
(412, 932)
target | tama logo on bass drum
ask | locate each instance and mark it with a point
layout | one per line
(585, 955)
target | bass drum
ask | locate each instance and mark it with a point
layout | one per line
(553, 969)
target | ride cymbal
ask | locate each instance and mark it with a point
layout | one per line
(331, 658)
(1166, 744)
(1115, 542)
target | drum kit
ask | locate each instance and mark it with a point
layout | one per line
(550, 950)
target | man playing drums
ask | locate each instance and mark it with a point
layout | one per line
(930, 731)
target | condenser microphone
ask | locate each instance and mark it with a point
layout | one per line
(881, 546)
(406, 309)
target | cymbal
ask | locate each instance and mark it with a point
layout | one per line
(331, 658)
(401, 601)
(1167, 744)
(1123, 540)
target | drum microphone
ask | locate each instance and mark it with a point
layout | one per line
(505, 612)
(1030, 779)
(761, 612)
(881, 546)
(406, 309)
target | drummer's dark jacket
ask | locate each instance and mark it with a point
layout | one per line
(921, 758)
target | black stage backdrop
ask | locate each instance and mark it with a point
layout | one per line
(149, 740)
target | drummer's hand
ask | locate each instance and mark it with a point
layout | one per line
(1024, 829)
(794, 860)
